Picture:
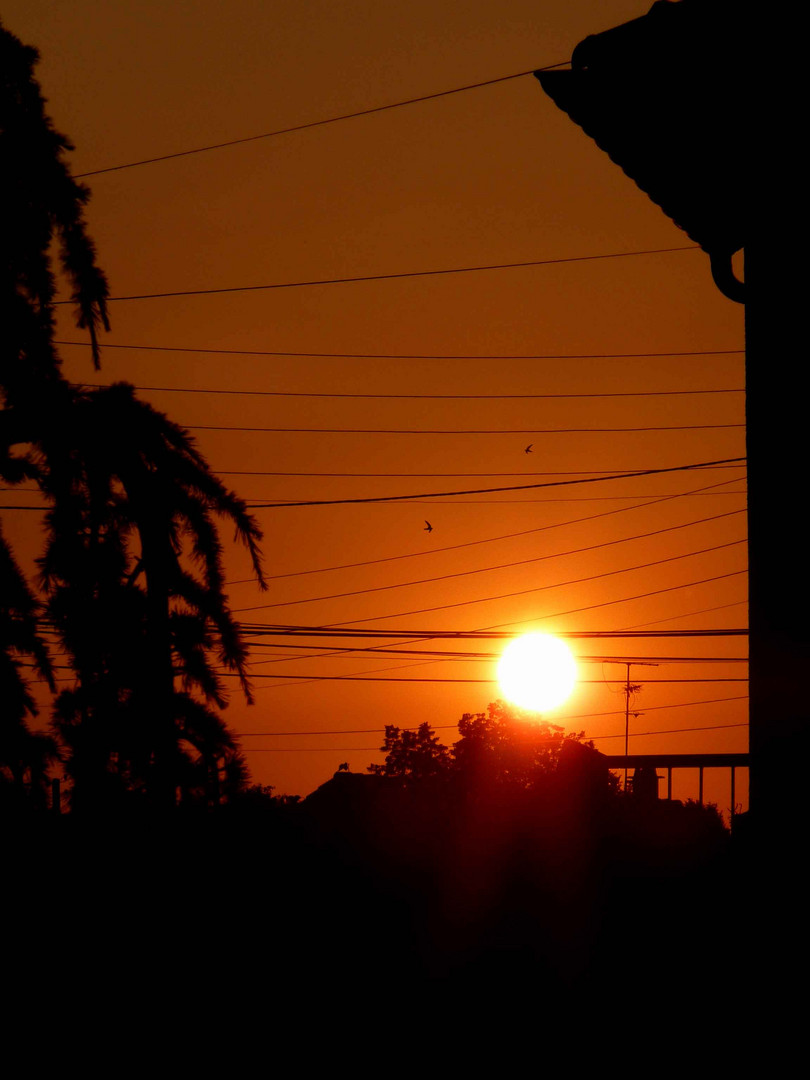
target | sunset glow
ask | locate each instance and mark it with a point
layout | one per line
(537, 672)
(592, 342)
(387, 423)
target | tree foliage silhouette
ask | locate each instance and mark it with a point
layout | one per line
(509, 746)
(505, 747)
(413, 755)
(132, 567)
(41, 207)
(24, 755)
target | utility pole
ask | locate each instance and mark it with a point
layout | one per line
(629, 690)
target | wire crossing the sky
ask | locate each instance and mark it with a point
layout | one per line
(488, 634)
(318, 123)
(493, 539)
(414, 397)
(451, 727)
(351, 623)
(439, 727)
(503, 566)
(458, 431)
(413, 356)
(485, 491)
(502, 596)
(395, 276)
(393, 498)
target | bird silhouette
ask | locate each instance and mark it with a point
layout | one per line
(528, 449)
(428, 527)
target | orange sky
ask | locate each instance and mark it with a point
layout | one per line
(491, 175)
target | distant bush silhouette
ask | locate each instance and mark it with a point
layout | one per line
(413, 755)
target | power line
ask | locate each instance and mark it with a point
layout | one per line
(471, 502)
(553, 615)
(390, 277)
(426, 679)
(457, 431)
(317, 123)
(504, 566)
(687, 614)
(671, 731)
(492, 633)
(450, 727)
(488, 634)
(428, 636)
(656, 708)
(610, 473)
(504, 596)
(385, 648)
(423, 657)
(439, 655)
(413, 356)
(708, 466)
(467, 502)
(444, 656)
(488, 491)
(565, 498)
(378, 749)
(531, 502)
(542, 528)
(416, 397)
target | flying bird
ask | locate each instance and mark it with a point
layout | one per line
(528, 449)
(428, 527)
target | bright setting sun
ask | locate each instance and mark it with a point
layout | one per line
(537, 672)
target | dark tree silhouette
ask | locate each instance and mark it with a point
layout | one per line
(41, 208)
(24, 755)
(508, 746)
(505, 746)
(133, 568)
(133, 563)
(212, 769)
(413, 755)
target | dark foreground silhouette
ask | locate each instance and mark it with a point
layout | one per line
(508, 874)
(368, 889)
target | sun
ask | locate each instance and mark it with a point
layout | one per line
(537, 672)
